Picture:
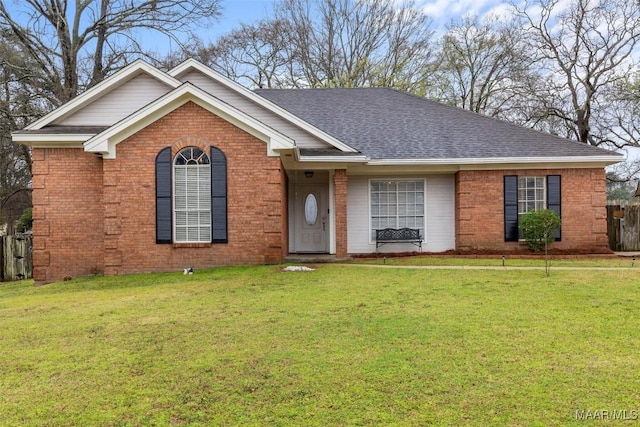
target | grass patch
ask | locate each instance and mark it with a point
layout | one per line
(337, 346)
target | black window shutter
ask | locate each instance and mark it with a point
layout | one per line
(163, 196)
(554, 194)
(219, 195)
(511, 208)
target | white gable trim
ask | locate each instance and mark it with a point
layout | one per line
(107, 85)
(192, 64)
(105, 143)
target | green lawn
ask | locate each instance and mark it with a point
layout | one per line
(339, 346)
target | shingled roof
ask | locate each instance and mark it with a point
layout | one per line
(385, 123)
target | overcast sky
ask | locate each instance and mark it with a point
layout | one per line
(441, 11)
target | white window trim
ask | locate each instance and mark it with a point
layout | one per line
(424, 183)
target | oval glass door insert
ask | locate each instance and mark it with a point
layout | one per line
(311, 209)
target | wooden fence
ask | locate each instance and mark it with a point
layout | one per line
(15, 258)
(623, 227)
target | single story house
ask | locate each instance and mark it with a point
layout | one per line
(157, 171)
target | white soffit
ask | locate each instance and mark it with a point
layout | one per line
(105, 142)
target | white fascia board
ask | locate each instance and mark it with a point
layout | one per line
(135, 68)
(240, 118)
(274, 139)
(605, 159)
(263, 102)
(188, 65)
(105, 142)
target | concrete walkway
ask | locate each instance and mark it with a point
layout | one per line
(321, 259)
(487, 267)
(628, 254)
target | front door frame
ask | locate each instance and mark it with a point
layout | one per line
(299, 194)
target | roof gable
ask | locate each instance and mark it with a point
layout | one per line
(118, 103)
(63, 114)
(105, 142)
(187, 68)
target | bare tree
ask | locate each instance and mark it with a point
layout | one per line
(483, 66)
(618, 119)
(75, 46)
(18, 107)
(328, 43)
(254, 54)
(348, 43)
(50, 50)
(620, 104)
(584, 49)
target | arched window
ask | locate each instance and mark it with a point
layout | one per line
(192, 196)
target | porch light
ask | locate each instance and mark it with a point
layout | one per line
(308, 174)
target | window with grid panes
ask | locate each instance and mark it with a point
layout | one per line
(532, 194)
(192, 196)
(396, 204)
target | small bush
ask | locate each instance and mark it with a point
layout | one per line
(25, 222)
(538, 228)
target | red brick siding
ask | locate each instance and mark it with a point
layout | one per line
(340, 180)
(122, 222)
(284, 220)
(480, 209)
(68, 214)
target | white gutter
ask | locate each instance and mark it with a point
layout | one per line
(461, 161)
(496, 160)
(43, 139)
(333, 159)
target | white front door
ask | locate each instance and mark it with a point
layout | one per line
(311, 218)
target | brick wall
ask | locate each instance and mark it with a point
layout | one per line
(254, 197)
(480, 209)
(119, 235)
(340, 180)
(68, 214)
(284, 220)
